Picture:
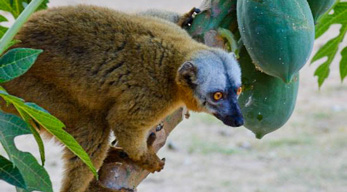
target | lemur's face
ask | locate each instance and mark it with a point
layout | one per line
(215, 78)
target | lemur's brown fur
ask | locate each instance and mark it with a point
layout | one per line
(103, 70)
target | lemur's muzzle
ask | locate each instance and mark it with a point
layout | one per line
(229, 112)
(234, 120)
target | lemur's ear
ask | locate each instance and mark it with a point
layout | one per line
(187, 74)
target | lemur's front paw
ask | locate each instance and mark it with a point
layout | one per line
(187, 19)
(151, 162)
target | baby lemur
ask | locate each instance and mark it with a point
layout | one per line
(103, 70)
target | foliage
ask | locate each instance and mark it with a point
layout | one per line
(330, 49)
(22, 169)
(34, 175)
(15, 7)
(31, 112)
(16, 62)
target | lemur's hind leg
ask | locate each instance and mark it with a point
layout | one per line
(95, 142)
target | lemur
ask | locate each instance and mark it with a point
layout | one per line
(103, 70)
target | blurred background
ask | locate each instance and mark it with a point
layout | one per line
(309, 154)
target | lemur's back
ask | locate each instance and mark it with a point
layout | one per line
(94, 54)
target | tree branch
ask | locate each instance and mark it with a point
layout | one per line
(120, 173)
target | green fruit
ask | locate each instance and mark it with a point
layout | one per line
(278, 34)
(266, 102)
(320, 7)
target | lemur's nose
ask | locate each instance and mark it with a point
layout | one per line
(238, 121)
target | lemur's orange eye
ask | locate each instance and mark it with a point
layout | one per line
(217, 96)
(239, 91)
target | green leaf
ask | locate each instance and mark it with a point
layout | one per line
(42, 6)
(51, 124)
(343, 64)
(34, 175)
(13, 42)
(5, 5)
(16, 62)
(10, 173)
(35, 133)
(33, 105)
(330, 49)
(55, 127)
(229, 36)
(2, 30)
(322, 72)
(2, 18)
(338, 17)
(22, 18)
(15, 7)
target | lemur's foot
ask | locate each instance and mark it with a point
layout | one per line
(151, 162)
(187, 19)
(148, 161)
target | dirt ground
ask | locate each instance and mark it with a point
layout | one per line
(309, 154)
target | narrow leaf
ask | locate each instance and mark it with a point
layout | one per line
(328, 50)
(15, 7)
(55, 127)
(36, 135)
(34, 175)
(33, 105)
(22, 18)
(10, 173)
(2, 30)
(42, 6)
(338, 17)
(52, 125)
(16, 62)
(13, 42)
(343, 64)
(5, 5)
(322, 72)
(2, 18)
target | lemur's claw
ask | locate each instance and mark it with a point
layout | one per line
(197, 10)
(159, 127)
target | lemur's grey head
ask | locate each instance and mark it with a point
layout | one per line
(215, 79)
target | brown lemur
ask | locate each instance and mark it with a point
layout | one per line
(103, 70)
